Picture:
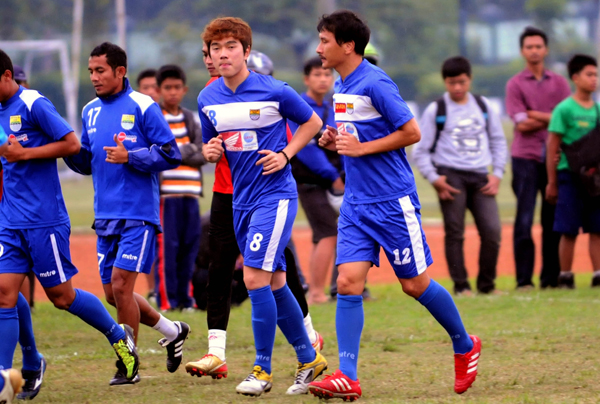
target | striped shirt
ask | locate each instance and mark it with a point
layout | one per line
(184, 180)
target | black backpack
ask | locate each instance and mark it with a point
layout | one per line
(440, 118)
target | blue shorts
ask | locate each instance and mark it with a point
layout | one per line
(133, 250)
(394, 225)
(44, 250)
(263, 232)
(575, 208)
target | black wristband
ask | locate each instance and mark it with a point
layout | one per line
(286, 157)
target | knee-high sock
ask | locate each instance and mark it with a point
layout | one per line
(264, 325)
(291, 323)
(91, 310)
(441, 305)
(349, 322)
(31, 356)
(9, 335)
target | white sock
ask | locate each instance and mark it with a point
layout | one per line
(167, 328)
(312, 334)
(216, 343)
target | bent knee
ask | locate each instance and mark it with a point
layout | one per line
(61, 302)
(349, 286)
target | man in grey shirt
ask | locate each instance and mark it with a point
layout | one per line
(461, 137)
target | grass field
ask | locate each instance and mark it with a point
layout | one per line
(538, 347)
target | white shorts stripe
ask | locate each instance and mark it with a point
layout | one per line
(414, 231)
(282, 211)
(59, 266)
(139, 264)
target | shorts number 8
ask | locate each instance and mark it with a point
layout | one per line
(255, 244)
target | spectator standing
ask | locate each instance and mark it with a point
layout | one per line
(576, 209)
(461, 137)
(146, 82)
(531, 95)
(316, 171)
(180, 189)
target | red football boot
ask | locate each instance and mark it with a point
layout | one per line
(465, 366)
(337, 385)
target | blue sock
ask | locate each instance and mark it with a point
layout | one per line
(9, 336)
(31, 357)
(291, 323)
(349, 322)
(441, 305)
(264, 325)
(91, 310)
(1, 383)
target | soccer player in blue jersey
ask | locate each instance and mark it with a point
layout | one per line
(34, 230)
(374, 125)
(126, 142)
(244, 115)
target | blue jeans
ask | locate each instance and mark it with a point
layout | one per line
(529, 179)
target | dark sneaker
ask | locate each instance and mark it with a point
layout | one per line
(596, 279)
(566, 280)
(128, 363)
(120, 378)
(175, 347)
(33, 382)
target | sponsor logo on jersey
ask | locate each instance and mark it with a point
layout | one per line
(349, 128)
(123, 137)
(47, 274)
(254, 114)
(127, 121)
(350, 108)
(19, 138)
(15, 123)
(340, 108)
(240, 140)
(130, 257)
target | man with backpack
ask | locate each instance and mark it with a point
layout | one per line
(461, 137)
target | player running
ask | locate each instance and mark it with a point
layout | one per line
(35, 229)
(246, 113)
(126, 198)
(374, 125)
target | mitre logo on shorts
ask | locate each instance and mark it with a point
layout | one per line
(130, 257)
(15, 123)
(349, 128)
(127, 121)
(47, 274)
(245, 140)
(255, 114)
(123, 137)
(20, 138)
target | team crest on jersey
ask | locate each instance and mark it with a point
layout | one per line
(349, 128)
(240, 140)
(254, 114)
(349, 108)
(127, 121)
(122, 136)
(15, 123)
(340, 107)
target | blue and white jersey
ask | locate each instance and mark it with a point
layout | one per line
(367, 104)
(32, 196)
(252, 119)
(126, 191)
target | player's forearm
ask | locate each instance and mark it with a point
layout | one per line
(81, 162)
(530, 125)
(67, 146)
(156, 158)
(540, 116)
(303, 135)
(551, 153)
(407, 135)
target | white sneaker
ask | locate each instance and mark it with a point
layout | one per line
(13, 383)
(256, 383)
(307, 373)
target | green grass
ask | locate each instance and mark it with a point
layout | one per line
(538, 347)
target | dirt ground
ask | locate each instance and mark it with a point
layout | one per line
(83, 250)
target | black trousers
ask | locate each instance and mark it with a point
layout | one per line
(529, 179)
(224, 252)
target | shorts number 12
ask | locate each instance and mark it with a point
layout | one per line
(405, 259)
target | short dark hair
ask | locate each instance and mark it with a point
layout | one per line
(532, 31)
(455, 66)
(115, 55)
(144, 74)
(578, 62)
(346, 26)
(312, 63)
(170, 72)
(6, 64)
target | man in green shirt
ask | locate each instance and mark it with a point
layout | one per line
(572, 119)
